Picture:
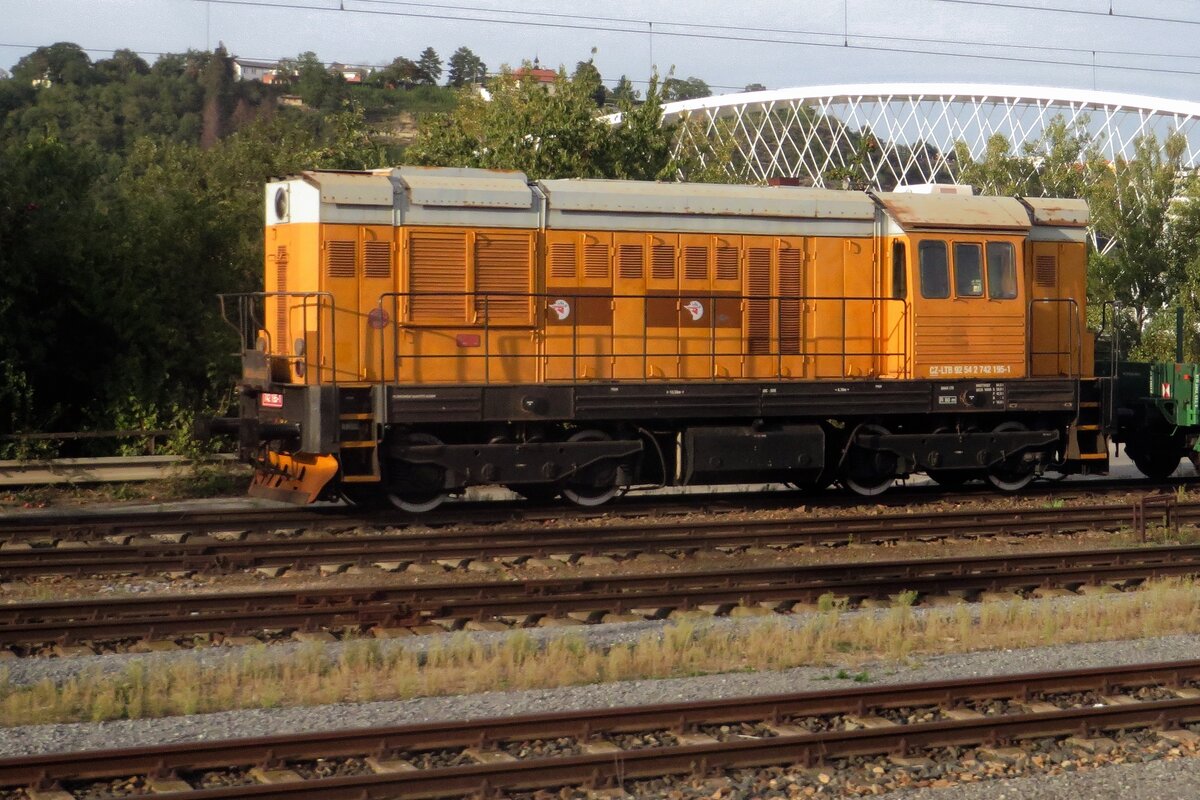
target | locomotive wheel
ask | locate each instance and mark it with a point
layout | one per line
(596, 484)
(534, 492)
(1157, 465)
(952, 478)
(869, 472)
(416, 488)
(1013, 473)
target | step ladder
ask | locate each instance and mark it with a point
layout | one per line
(1087, 436)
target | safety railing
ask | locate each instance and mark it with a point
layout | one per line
(712, 326)
(1074, 350)
(249, 322)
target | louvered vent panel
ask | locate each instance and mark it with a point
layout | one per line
(377, 259)
(790, 284)
(662, 262)
(501, 268)
(562, 260)
(758, 312)
(727, 263)
(339, 259)
(695, 263)
(1045, 271)
(437, 263)
(629, 261)
(281, 303)
(595, 261)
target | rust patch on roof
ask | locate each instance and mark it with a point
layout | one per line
(914, 211)
(1062, 212)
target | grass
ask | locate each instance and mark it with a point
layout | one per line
(366, 671)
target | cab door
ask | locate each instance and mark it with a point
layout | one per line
(969, 315)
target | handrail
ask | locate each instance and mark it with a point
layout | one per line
(394, 309)
(251, 325)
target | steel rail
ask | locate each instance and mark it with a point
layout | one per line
(402, 606)
(212, 555)
(15, 527)
(48, 769)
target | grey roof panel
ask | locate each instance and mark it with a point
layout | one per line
(351, 188)
(1058, 211)
(642, 197)
(913, 211)
(453, 187)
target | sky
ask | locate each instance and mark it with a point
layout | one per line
(1145, 47)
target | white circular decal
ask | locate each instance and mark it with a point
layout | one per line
(561, 308)
(695, 308)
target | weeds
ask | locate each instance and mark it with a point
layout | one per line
(366, 670)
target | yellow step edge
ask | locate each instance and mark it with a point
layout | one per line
(1087, 427)
(358, 444)
(1092, 456)
(355, 416)
(360, 479)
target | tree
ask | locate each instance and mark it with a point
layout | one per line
(624, 91)
(684, 89)
(317, 86)
(401, 72)
(465, 67)
(218, 97)
(588, 75)
(60, 63)
(547, 134)
(429, 67)
(123, 66)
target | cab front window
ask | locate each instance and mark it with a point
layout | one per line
(1001, 271)
(935, 271)
(968, 270)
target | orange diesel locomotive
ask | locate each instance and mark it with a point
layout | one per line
(425, 330)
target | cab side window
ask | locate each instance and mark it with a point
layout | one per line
(1001, 271)
(899, 274)
(968, 270)
(935, 271)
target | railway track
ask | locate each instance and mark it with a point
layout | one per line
(203, 553)
(93, 525)
(27, 628)
(912, 724)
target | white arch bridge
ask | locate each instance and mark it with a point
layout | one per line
(884, 135)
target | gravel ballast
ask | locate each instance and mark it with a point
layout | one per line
(262, 722)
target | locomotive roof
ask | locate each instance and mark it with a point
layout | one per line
(1059, 211)
(644, 197)
(915, 211)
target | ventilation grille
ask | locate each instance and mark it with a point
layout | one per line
(377, 259)
(1045, 271)
(790, 283)
(695, 263)
(727, 263)
(281, 303)
(629, 261)
(437, 263)
(501, 268)
(595, 261)
(662, 262)
(562, 260)
(339, 259)
(758, 312)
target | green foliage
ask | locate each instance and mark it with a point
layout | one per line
(684, 89)
(121, 219)
(465, 67)
(548, 134)
(429, 67)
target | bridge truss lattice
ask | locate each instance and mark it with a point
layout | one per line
(882, 136)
